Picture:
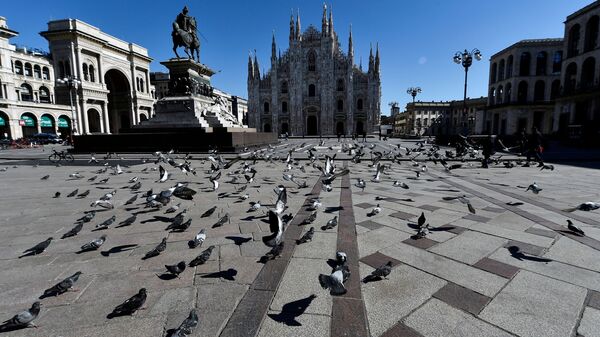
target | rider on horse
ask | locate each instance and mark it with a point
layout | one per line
(184, 33)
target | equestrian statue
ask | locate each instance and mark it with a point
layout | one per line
(185, 35)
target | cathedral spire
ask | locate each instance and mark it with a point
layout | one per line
(331, 31)
(273, 49)
(256, 68)
(371, 59)
(292, 28)
(298, 28)
(250, 66)
(377, 59)
(350, 47)
(324, 25)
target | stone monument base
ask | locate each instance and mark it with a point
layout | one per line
(191, 139)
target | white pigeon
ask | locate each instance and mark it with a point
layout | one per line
(163, 174)
(133, 180)
(255, 206)
(103, 203)
(316, 203)
(75, 175)
(118, 169)
(173, 208)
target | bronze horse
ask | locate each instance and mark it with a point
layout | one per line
(187, 40)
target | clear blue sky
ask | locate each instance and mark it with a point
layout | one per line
(417, 39)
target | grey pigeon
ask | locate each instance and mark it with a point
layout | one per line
(157, 250)
(24, 318)
(87, 217)
(209, 212)
(421, 220)
(379, 273)
(571, 226)
(224, 219)
(332, 223)
(39, 248)
(274, 253)
(311, 218)
(187, 326)
(72, 194)
(45, 177)
(203, 257)
(106, 223)
(198, 239)
(128, 222)
(534, 188)
(276, 228)
(57, 195)
(83, 194)
(131, 200)
(74, 231)
(335, 281)
(131, 305)
(307, 236)
(63, 286)
(182, 227)
(176, 269)
(95, 244)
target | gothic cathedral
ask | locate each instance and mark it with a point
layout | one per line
(314, 88)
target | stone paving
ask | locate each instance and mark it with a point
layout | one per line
(460, 280)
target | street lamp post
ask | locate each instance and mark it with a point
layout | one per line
(71, 83)
(413, 92)
(465, 59)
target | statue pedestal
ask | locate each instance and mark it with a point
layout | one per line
(188, 77)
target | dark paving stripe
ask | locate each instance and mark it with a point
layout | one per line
(250, 312)
(526, 248)
(494, 209)
(593, 299)
(454, 229)
(402, 215)
(541, 232)
(378, 259)
(475, 217)
(422, 243)
(538, 203)
(364, 205)
(349, 316)
(462, 298)
(429, 208)
(560, 229)
(401, 330)
(372, 225)
(497, 267)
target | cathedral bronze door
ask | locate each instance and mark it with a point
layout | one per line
(339, 128)
(359, 127)
(312, 128)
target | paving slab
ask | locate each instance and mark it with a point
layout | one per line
(469, 247)
(534, 305)
(588, 327)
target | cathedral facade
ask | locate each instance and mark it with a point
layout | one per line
(314, 88)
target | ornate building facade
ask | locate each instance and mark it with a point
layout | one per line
(314, 88)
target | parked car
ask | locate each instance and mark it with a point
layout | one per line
(46, 138)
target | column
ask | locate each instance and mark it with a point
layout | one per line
(85, 126)
(101, 121)
(105, 119)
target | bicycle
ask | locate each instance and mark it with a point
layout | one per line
(56, 156)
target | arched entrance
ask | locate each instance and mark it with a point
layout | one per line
(339, 128)
(47, 124)
(4, 126)
(143, 117)
(119, 100)
(285, 128)
(312, 128)
(93, 117)
(64, 126)
(360, 127)
(28, 123)
(267, 127)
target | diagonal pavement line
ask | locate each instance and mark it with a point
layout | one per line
(592, 243)
(349, 316)
(252, 309)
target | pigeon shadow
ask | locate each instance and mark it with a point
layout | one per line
(7, 327)
(147, 211)
(237, 240)
(413, 225)
(118, 249)
(292, 310)
(371, 278)
(27, 254)
(333, 209)
(442, 229)
(228, 274)
(99, 229)
(166, 276)
(158, 218)
(563, 231)
(516, 253)
(129, 209)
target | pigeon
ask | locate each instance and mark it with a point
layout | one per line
(379, 273)
(254, 207)
(173, 208)
(360, 183)
(74, 231)
(92, 159)
(400, 184)
(209, 212)
(24, 318)
(94, 244)
(163, 174)
(45, 177)
(576, 230)
(332, 223)
(376, 210)
(131, 305)
(422, 232)
(203, 257)
(328, 179)
(276, 228)
(184, 192)
(335, 281)
(136, 186)
(103, 181)
(39, 248)
(133, 180)
(187, 326)
(215, 181)
(421, 220)
(156, 250)
(224, 219)
(534, 188)
(316, 204)
(75, 175)
(128, 222)
(63, 286)
(306, 237)
(182, 227)
(87, 217)
(106, 223)
(131, 200)
(311, 218)
(274, 253)
(57, 195)
(102, 203)
(586, 206)
(72, 194)
(198, 239)
(547, 167)
(83, 194)
(176, 269)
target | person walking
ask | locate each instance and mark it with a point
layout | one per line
(535, 147)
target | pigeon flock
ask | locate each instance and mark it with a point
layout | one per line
(173, 188)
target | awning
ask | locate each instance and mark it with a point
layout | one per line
(2, 122)
(26, 121)
(62, 122)
(46, 121)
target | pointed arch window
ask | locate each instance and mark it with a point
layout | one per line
(312, 61)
